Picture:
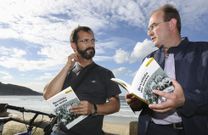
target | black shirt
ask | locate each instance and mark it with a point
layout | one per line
(94, 85)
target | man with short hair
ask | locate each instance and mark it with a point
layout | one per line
(185, 112)
(90, 82)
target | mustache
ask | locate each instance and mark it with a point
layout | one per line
(89, 48)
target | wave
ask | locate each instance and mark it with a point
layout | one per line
(38, 103)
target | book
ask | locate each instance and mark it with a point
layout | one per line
(61, 104)
(150, 76)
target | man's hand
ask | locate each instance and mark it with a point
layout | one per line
(56, 85)
(134, 102)
(84, 108)
(174, 99)
(72, 58)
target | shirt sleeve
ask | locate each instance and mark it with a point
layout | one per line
(112, 88)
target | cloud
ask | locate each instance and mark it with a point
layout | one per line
(47, 21)
(14, 58)
(192, 13)
(44, 22)
(103, 46)
(121, 71)
(45, 77)
(4, 76)
(55, 52)
(102, 58)
(140, 50)
(130, 12)
(121, 56)
(46, 25)
(11, 52)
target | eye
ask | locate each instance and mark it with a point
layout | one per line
(151, 27)
(85, 41)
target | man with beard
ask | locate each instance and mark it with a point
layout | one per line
(90, 82)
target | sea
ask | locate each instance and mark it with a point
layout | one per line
(39, 104)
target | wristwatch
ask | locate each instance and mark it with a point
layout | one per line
(95, 109)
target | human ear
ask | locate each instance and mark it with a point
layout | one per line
(74, 47)
(173, 23)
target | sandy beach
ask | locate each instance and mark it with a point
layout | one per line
(111, 126)
(118, 125)
(116, 129)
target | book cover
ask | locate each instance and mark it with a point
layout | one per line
(150, 76)
(61, 104)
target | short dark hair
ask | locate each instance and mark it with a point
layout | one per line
(74, 35)
(170, 12)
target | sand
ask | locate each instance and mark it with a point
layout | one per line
(120, 126)
(116, 129)
(111, 126)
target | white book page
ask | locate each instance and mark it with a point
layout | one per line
(138, 78)
(62, 97)
(123, 84)
(61, 103)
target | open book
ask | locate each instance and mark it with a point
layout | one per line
(150, 76)
(61, 104)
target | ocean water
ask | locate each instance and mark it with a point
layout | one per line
(39, 104)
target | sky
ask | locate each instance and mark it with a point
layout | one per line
(34, 35)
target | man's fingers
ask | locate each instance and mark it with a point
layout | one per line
(128, 101)
(162, 111)
(162, 93)
(129, 95)
(157, 106)
(77, 110)
(84, 108)
(162, 107)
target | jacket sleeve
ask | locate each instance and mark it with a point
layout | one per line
(196, 101)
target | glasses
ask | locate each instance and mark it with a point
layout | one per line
(153, 26)
(87, 41)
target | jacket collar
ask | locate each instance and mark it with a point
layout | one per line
(183, 44)
(160, 56)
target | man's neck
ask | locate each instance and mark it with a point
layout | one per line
(165, 51)
(83, 62)
(174, 42)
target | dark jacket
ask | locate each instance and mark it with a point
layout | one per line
(191, 66)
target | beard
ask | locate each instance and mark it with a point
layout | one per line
(87, 53)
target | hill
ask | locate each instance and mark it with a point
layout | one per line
(11, 89)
